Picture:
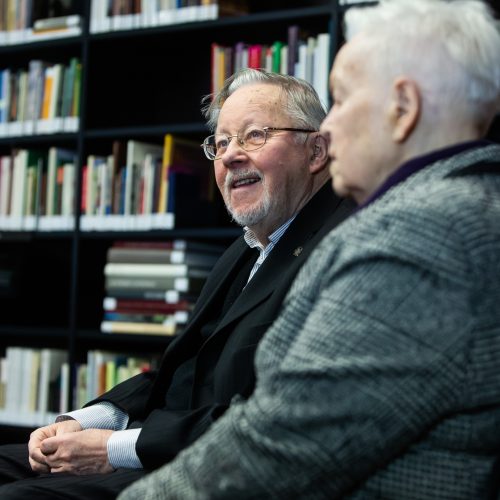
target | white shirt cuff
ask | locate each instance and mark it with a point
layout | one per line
(103, 415)
(121, 449)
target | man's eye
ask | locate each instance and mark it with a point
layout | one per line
(221, 143)
(254, 135)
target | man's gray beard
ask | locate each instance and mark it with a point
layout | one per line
(254, 215)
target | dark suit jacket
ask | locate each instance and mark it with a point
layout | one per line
(224, 361)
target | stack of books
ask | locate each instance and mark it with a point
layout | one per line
(151, 286)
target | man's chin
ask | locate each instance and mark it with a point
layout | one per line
(246, 218)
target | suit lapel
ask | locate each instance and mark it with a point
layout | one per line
(213, 293)
(291, 251)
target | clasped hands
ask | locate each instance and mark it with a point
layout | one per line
(66, 447)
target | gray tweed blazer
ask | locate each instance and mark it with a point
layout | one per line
(381, 377)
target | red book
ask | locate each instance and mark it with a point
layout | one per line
(254, 56)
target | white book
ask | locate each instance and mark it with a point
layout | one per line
(136, 154)
(64, 388)
(5, 179)
(68, 189)
(116, 269)
(55, 97)
(51, 361)
(322, 67)
(18, 183)
(13, 356)
(284, 60)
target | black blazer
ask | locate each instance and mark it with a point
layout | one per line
(224, 361)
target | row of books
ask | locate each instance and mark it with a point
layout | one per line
(124, 15)
(141, 178)
(37, 189)
(24, 21)
(103, 370)
(147, 184)
(34, 383)
(42, 99)
(151, 286)
(304, 56)
(139, 186)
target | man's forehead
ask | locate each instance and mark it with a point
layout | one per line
(351, 61)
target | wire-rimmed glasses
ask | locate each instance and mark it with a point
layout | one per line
(250, 139)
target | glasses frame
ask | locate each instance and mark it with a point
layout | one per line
(265, 129)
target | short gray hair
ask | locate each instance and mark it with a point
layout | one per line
(451, 47)
(300, 100)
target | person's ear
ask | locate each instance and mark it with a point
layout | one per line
(319, 153)
(405, 108)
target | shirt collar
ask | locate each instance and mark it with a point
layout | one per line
(252, 241)
(414, 165)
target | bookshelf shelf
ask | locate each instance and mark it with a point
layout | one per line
(194, 128)
(51, 282)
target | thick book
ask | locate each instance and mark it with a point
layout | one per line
(116, 284)
(129, 306)
(57, 23)
(138, 328)
(161, 256)
(177, 151)
(177, 244)
(145, 270)
(167, 296)
(192, 195)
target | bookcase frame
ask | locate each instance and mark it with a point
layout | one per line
(117, 66)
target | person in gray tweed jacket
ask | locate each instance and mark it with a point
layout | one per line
(381, 377)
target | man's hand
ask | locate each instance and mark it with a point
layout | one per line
(37, 459)
(83, 452)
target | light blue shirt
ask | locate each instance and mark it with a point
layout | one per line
(121, 444)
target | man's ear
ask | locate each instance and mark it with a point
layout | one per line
(319, 153)
(406, 107)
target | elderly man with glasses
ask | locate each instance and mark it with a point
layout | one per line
(270, 163)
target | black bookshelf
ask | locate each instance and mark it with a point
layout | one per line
(124, 95)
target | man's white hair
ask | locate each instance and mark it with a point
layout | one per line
(452, 48)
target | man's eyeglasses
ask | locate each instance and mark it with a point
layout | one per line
(250, 139)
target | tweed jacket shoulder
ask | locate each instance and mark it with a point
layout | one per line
(381, 377)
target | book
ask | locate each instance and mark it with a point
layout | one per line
(57, 158)
(177, 151)
(115, 285)
(168, 296)
(255, 56)
(293, 48)
(51, 361)
(127, 306)
(36, 80)
(176, 244)
(191, 195)
(162, 255)
(68, 89)
(145, 270)
(57, 23)
(136, 154)
(138, 328)
(322, 67)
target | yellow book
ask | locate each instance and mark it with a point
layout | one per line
(180, 152)
(47, 92)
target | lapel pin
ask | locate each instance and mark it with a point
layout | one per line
(297, 251)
